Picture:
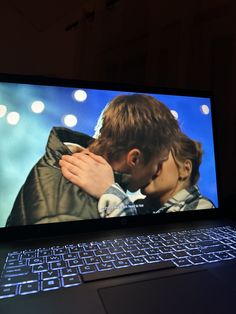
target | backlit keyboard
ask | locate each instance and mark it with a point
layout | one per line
(49, 268)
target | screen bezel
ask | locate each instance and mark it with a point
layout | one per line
(8, 233)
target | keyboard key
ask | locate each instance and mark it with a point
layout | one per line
(29, 255)
(121, 263)
(93, 260)
(44, 253)
(104, 245)
(54, 258)
(69, 271)
(70, 281)
(194, 252)
(169, 243)
(128, 248)
(92, 246)
(165, 249)
(40, 268)
(28, 288)
(137, 260)
(130, 241)
(101, 252)
(60, 251)
(75, 249)
(232, 252)
(156, 244)
(166, 256)
(179, 247)
(15, 264)
(116, 250)
(67, 257)
(86, 254)
(105, 266)
(180, 254)
(182, 262)
(50, 274)
(9, 281)
(87, 269)
(15, 253)
(50, 284)
(143, 246)
(138, 253)
(13, 272)
(108, 257)
(191, 245)
(143, 239)
(208, 243)
(224, 255)
(124, 255)
(36, 261)
(226, 241)
(152, 251)
(196, 260)
(152, 258)
(191, 239)
(57, 247)
(13, 257)
(76, 262)
(216, 248)
(210, 257)
(58, 265)
(6, 292)
(203, 237)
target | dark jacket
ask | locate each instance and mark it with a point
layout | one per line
(46, 195)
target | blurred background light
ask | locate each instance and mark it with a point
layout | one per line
(70, 120)
(3, 110)
(37, 106)
(80, 95)
(175, 114)
(13, 118)
(205, 109)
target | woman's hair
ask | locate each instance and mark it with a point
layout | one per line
(184, 149)
(134, 121)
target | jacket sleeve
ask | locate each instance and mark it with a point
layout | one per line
(115, 202)
(47, 196)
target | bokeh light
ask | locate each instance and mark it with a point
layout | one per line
(70, 120)
(3, 110)
(37, 106)
(205, 109)
(13, 118)
(80, 95)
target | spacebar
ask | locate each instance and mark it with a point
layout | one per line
(127, 271)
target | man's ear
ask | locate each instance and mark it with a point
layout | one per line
(185, 170)
(134, 157)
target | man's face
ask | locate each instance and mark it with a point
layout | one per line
(142, 174)
(166, 181)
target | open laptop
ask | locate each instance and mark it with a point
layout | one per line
(156, 263)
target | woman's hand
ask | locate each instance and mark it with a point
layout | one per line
(90, 172)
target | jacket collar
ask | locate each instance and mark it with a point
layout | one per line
(56, 148)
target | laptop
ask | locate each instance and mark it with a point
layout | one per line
(160, 262)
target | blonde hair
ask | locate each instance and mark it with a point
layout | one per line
(135, 121)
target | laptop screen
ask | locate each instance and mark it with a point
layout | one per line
(39, 123)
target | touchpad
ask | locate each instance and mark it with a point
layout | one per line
(197, 292)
